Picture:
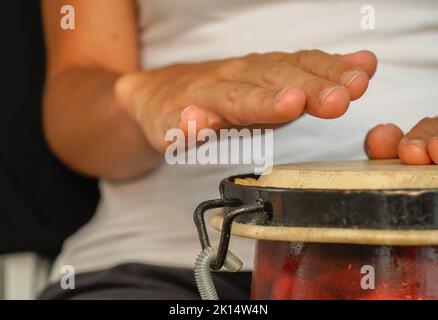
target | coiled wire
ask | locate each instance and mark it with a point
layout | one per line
(203, 278)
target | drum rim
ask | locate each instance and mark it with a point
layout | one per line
(230, 181)
(368, 208)
(328, 235)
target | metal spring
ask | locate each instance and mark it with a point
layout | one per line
(203, 278)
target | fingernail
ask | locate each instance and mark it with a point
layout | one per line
(418, 142)
(325, 93)
(186, 110)
(280, 94)
(348, 77)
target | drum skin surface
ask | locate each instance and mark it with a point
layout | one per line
(352, 175)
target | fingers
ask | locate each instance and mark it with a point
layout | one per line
(243, 104)
(324, 98)
(260, 89)
(382, 141)
(364, 59)
(329, 81)
(337, 70)
(196, 114)
(419, 146)
(432, 148)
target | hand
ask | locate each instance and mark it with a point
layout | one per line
(271, 88)
(418, 146)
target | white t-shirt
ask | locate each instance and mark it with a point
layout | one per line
(149, 220)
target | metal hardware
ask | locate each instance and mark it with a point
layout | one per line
(240, 209)
(212, 258)
(198, 216)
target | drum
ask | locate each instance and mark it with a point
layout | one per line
(337, 230)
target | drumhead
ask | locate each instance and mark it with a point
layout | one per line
(352, 175)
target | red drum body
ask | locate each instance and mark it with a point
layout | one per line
(309, 271)
(356, 230)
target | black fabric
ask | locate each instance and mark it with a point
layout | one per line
(144, 282)
(41, 201)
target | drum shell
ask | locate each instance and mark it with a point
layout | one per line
(309, 271)
(304, 270)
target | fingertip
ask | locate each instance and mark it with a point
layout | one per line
(334, 102)
(382, 141)
(358, 85)
(364, 59)
(432, 148)
(291, 104)
(414, 152)
(370, 61)
(193, 115)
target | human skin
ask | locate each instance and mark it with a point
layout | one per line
(105, 117)
(418, 146)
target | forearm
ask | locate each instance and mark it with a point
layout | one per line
(86, 130)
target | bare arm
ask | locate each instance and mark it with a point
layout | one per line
(92, 67)
(82, 123)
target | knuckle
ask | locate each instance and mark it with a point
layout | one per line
(254, 56)
(301, 53)
(278, 69)
(335, 69)
(233, 66)
(232, 104)
(260, 100)
(257, 101)
(303, 57)
(236, 106)
(275, 55)
(299, 56)
(198, 81)
(204, 79)
(424, 126)
(423, 123)
(425, 120)
(231, 97)
(275, 74)
(316, 52)
(308, 83)
(312, 52)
